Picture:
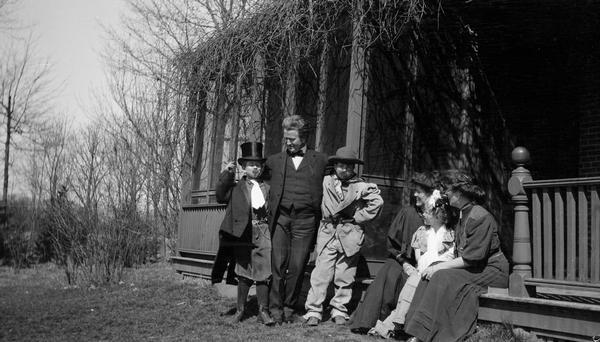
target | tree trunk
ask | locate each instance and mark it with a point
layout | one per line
(9, 112)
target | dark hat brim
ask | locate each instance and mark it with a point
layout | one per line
(334, 159)
(262, 160)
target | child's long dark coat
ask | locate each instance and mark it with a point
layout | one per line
(252, 242)
(237, 198)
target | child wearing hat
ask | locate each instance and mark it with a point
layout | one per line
(348, 204)
(245, 228)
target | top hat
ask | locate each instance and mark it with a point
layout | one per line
(345, 155)
(251, 151)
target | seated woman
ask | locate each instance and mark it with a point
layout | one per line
(381, 296)
(445, 304)
(432, 243)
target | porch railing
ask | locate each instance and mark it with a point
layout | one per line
(565, 221)
(198, 228)
(556, 235)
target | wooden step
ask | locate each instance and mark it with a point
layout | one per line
(192, 266)
(545, 317)
(192, 260)
(563, 290)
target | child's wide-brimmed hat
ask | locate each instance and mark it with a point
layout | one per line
(252, 150)
(345, 155)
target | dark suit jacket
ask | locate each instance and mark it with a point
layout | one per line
(237, 197)
(313, 162)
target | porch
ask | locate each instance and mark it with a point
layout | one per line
(554, 286)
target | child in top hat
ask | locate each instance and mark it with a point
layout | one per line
(348, 204)
(245, 228)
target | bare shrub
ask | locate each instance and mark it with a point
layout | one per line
(19, 235)
(96, 248)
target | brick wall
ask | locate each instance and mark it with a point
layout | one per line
(589, 126)
(542, 63)
(589, 143)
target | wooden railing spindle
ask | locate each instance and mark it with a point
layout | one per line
(571, 235)
(595, 236)
(547, 234)
(559, 236)
(583, 233)
(537, 233)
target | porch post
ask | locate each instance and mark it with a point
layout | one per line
(522, 239)
(357, 95)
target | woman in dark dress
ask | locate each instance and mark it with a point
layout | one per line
(382, 295)
(446, 301)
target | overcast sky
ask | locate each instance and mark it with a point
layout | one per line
(69, 33)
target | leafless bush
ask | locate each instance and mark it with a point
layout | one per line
(96, 248)
(19, 235)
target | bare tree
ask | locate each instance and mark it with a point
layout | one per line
(89, 167)
(152, 81)
(24, 88)
(48, 168)
(150, 128)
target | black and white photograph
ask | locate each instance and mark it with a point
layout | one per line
(300, 170)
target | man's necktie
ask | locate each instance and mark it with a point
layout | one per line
(256, 195)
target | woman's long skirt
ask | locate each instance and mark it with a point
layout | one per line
(445, 307)
(381, 297)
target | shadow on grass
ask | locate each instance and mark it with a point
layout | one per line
(153, 303)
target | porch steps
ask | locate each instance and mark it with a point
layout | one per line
(199, 266)
(571, 291)
(547, 318)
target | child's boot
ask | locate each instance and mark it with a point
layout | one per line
(243, 288)
(262, 295)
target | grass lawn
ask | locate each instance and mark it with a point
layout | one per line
(153, 303)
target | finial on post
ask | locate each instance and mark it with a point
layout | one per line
(520, 156)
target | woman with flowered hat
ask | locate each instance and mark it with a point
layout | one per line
(382, 295)
(446, 301)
